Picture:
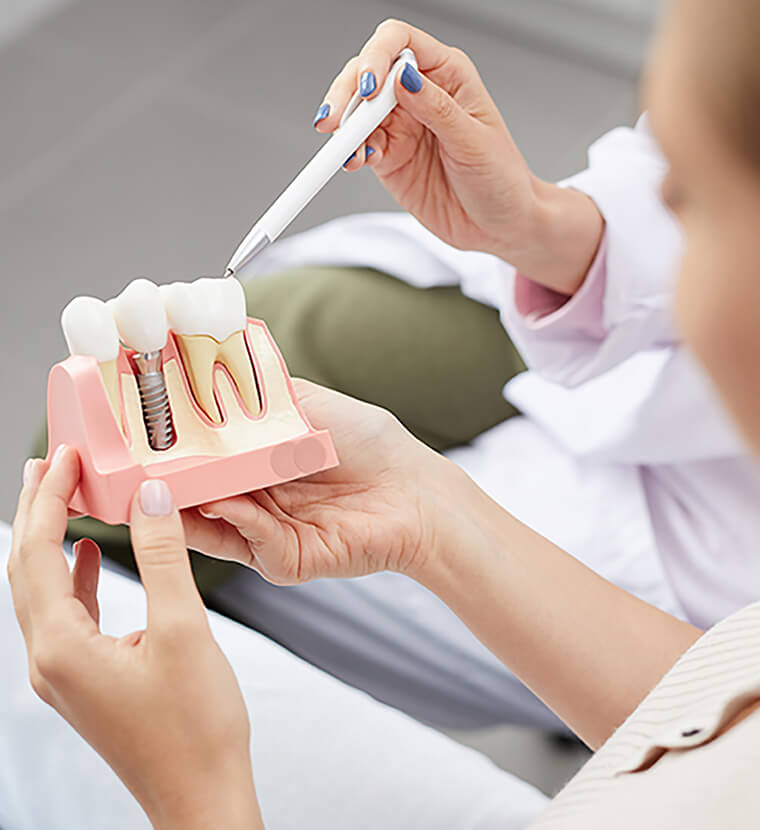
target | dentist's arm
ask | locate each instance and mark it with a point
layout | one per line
(447, 157)
(161, 706)
(590, 650)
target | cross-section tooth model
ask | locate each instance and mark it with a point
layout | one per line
(208, 319)
(197, 394)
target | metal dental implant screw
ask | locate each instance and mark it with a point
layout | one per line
(157, 413)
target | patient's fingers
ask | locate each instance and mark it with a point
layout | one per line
(158, 541)
(34, 469)
(85, 576)
(33, 472)
(43, 566)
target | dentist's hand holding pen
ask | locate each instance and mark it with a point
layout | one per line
(447, 157)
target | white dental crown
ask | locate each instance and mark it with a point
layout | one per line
(89, 329)
(209, 305)
(140, 316)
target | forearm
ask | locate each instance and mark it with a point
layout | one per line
(229, 818)
(564, 234)
(233, 806)
(588, 649)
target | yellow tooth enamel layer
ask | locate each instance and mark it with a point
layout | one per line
(110, 375)
(200, 353)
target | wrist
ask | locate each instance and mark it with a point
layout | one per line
(461, 526)
(560, 240)
(232, 805)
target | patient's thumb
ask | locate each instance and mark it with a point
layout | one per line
(158, 541)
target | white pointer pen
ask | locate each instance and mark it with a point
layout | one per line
(359, 121)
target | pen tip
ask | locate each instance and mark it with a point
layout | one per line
(229, 272)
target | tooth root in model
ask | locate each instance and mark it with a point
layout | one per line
(198, 356)
(233, 355)
(201, 352)
(141, 320)
(208, 319)
(90, 330)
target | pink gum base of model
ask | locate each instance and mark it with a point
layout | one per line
(80, 416)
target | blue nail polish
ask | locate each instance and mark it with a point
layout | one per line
(370, 150)
(411, 79)
(367, 84)
(322, 113)
(350, 158)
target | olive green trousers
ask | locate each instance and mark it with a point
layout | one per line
(435, 358)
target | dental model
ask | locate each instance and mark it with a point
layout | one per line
(89, 329)
(208, 319)
(196, 393)
(141, 320)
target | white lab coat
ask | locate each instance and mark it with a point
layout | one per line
(624, 455)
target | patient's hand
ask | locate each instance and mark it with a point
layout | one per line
(446, 155)
(162, 705)
(383, 508)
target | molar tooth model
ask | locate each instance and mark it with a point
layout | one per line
(196, 394)
(208, 320)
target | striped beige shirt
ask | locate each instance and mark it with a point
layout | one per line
(669, 765)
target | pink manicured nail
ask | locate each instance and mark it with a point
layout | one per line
(155, 498)
(28, 469)
(57, 454)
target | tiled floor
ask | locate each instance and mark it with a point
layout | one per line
(143, 138)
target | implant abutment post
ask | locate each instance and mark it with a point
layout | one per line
(154, 398)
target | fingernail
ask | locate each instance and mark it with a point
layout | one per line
(411, 79)
(322, 113)
(155, 498)
(28, 464)
(207, 514)
(350, 158)
(367, 84)
(59, 450)
(370, 150)
(76, 547)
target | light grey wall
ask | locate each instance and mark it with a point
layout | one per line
(16, 16)
(642, 11)
(613, 33)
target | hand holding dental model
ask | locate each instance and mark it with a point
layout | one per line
(200, 397)
(166, 692)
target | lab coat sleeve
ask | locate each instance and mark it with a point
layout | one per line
(626, 303)
(611, 379)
